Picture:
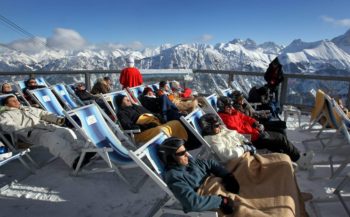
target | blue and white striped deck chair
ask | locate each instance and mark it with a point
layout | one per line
(147, 158)
(110, 101)
(191, 122)
(47, 100)
(40, 81)
(155, 86)
(91, 123)
(136, 92)
(62, 92)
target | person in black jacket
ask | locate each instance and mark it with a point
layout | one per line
(133, 116)
(83, 94)
(159, 105)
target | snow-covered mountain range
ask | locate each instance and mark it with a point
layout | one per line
(244, 55)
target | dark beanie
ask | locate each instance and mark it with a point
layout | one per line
(119, 99)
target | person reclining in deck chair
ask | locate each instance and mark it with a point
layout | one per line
(184, 175)
(83, 94)
(184, 101)
(227, 144)
(31, 84)
(39, 127)
(250, 186)
(261, 139)
(159, 105)
(264, 118)
(101, 86)
(133, 116)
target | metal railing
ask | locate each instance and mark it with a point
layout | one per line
(293, 91)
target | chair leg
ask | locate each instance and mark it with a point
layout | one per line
(338, 193)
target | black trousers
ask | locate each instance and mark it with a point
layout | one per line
(277, 142)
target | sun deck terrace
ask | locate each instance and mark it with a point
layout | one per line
(52, 190)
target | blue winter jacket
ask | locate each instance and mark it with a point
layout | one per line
(185, 180)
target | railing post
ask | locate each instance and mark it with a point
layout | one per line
(283, 94)
(230, 78)
(348, 98)
(87, 81)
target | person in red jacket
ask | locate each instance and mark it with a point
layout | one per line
(261, 139)
(130, 76)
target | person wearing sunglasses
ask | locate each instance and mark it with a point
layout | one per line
(184, 175)
(261, 138)
(227, 144)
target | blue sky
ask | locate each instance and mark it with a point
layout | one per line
(155, 22)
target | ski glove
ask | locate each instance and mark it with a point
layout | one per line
(249, 148)
(227, 205)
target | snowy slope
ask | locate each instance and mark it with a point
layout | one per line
(322, 55)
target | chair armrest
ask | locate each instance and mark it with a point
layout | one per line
(132, 131)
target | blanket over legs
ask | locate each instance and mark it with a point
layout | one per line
(267, 187)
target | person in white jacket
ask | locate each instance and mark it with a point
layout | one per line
(39, 127)
(227, 144)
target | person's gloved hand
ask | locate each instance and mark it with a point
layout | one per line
(261, 128)
(230, 183)
(60, 121)
(227, 205)
(249, 148)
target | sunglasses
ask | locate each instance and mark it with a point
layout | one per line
(181, 153)
(216, 125)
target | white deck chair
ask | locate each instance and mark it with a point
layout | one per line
(330, 147)
(91, 123)
(338, 192)
(147, 158)
(47, 100)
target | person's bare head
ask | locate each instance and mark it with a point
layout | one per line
(12, 102)
(6, 88)
(31, 82)
(126, 102)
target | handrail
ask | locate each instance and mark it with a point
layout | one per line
(230, 73)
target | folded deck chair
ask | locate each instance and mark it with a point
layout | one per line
(136, 92)
(65, 96)
(47, 100)
(91, 123)
(147, 158)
